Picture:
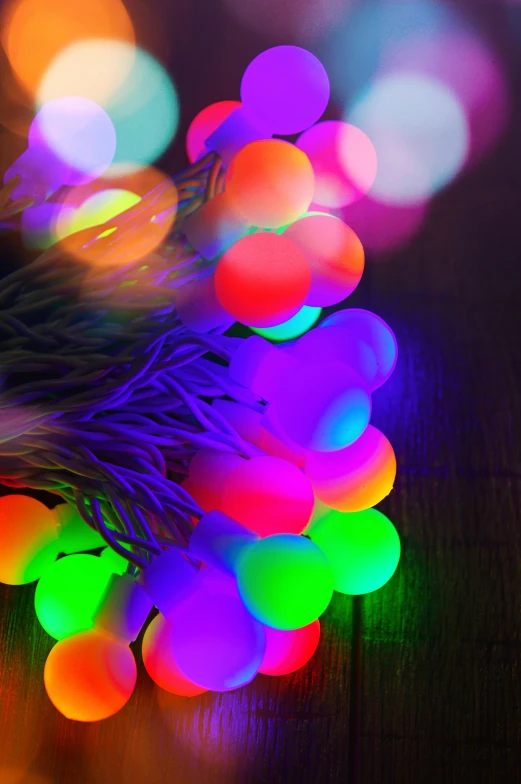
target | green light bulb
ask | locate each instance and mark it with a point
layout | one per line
(115, 562)
(69, 593)
(363, 548)
(285, 581)
(293, 327)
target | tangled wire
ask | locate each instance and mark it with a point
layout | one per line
(105, 395)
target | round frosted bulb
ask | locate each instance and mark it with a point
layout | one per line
(339, 345)
(262, 279)
(114, 561)
(285, 581)
(215, 641)
(372, 330)
(268, 495)
(344, 162)
(69, 592)
(28, 539)
(363, 548)
(204, 124)
(321, 405)
(354, 478)
(96, 210)
(288, 651)
(90, 676)
(293, 327)
(270, 183)
(284, 90)
(79, 132)
(335, 254)
(160, 663)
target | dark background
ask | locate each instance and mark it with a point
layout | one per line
(421, 681)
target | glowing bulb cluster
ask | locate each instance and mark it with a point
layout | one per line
(277, 263)
(287, 518)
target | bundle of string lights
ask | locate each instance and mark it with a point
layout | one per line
(230, 482)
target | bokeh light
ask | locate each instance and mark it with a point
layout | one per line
(289, 650)
(321, 405)
(96, 210)
(335, 255)
(28, 539)
(90, 676)
(263, 279)
(270, 183)
(132, 87)
(363, 548)
(373, 331)
(69, 592)
(344, 162)
(79, 132)
(463, 62)
(204, 124)
(424, 38)
(34, 32)
(293, 327)
(91, 68)
(285, 581)
(268, 495)
(355, 50)
(354, 478)
(384, 227)
(419, 132)
(98, 199)
(160, 663)
(284, 90)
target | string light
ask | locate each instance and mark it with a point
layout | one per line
(202, 462)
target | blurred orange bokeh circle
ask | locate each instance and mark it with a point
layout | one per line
(33, 32)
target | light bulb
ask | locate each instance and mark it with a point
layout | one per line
(90, 676)
(374, 332)
(262, 279)
(204, 124)
(207, 473)
(214, 227)
(293, 327)
(31, 536)
(335, 254)
(321, 405)
(71, 141)
(28, 539)
(354, 478)
(160, 662)
(285, 581)
(284, 90)
(363, 548)
(268, 495)
(270, 183)
(69, 592)
(288, 651)
(344, 162)
(214, 639)
(340, 345)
